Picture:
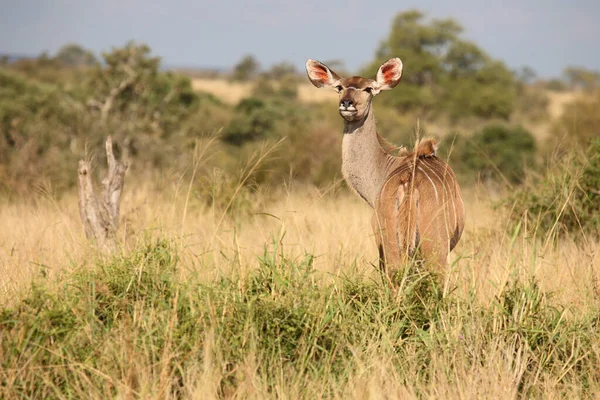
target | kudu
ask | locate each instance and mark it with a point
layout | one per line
(415, 196)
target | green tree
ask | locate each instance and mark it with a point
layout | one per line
(525, 75)
(130, 85)
(582, 78)
(246, 69)
(75, 56)
(443, 72)
(556, 85)
(282, 70)
(46, 123)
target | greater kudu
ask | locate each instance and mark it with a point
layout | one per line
(416, 198)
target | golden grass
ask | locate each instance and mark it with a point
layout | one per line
(229, 92)
(233, 92)
(557, 102)
(45, 238)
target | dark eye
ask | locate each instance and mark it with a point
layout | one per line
(339, 88)
(369, 90)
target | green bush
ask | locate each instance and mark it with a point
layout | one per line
(497, 152)
(567, 200)
(254, 119)
(51, 115)
(37, 126)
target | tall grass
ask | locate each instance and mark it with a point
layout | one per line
(286, 302)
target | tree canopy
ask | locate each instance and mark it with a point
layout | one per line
(246, 69)
(74, 55)
(442, 71)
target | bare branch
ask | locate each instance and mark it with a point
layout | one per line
(101, 218)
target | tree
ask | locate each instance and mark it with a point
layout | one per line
(131, 85)
(525, 75)
(282, 70)
(582, 78)
(246, 69)
(75, 56)
(443, 72)
(422, 44)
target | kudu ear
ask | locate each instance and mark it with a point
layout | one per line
(320, 75)
(389, 74)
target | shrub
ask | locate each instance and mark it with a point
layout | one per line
(580, 120)
(255, 119)
(566, 200)
(51, 115)
(36, 129)
(497, 152)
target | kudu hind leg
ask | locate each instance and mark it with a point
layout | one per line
(433, 249)
(386, 239)
(378, 240)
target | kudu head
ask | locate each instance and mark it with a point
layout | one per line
(356, 92)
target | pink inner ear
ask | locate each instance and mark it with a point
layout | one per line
(321, 73)
(389, 72)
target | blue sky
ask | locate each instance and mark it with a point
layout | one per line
(544, 34)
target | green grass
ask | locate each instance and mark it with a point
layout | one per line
(140, 325)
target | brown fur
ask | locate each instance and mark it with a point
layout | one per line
(418, 207)
(421, 197)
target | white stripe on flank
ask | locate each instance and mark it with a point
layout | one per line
(446, 183)
(443, 205)
(432, 184)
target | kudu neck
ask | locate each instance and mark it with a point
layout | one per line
(364, 162)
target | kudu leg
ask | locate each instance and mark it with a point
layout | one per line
(390, 257)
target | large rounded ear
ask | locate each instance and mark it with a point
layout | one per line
(389, 74)
(320, 75)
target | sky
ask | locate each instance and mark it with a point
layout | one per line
(547, 35)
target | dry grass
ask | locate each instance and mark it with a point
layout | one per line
(557, 102)
(43, 240)
(47, 235)
(229, 92)
(233, 92)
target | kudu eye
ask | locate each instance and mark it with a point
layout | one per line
(369, 90)
(339, 88)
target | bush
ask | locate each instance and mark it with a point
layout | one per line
(51, 115)
(255, 119)
(37, 125)
(580, 121)
(497, 152)
(566, 200)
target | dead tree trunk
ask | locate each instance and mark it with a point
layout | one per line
(100, 217)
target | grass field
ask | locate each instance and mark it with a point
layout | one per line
(284, 301)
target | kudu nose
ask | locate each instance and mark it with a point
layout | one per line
(346, 103)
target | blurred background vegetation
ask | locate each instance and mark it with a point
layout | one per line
(497, 126)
